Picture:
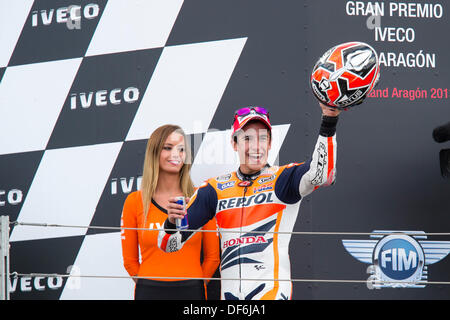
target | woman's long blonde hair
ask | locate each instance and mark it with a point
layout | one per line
(150, 172)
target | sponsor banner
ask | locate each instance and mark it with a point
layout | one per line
(84, 83)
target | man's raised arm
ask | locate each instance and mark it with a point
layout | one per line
(322, 167)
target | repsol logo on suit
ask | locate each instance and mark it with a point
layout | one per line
(245, 201)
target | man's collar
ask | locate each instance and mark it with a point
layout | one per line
(249, 177)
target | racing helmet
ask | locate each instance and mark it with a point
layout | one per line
(345, 75)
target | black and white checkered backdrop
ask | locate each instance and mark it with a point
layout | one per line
(84, 83)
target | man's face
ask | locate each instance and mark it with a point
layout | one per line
(252, 145)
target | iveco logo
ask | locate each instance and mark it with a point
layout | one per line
(125, 185)
(12, 197)
(64, 14)
(103, 97)
(400, 259)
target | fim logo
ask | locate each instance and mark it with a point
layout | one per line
(397, 260)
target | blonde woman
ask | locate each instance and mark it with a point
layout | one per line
(166, 173)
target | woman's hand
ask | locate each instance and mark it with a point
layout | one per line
(175, 210)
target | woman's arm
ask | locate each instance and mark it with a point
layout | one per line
(129, 238)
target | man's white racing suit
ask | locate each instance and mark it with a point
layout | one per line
(261, 215)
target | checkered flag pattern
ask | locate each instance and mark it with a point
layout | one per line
(82, 87)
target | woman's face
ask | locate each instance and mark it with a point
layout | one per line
(173, 154)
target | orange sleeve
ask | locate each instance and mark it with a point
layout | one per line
(211, 249)
(129, 238)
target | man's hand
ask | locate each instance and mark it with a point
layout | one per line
(328, 111)
(175, 210)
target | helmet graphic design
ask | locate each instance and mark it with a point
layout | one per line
(345, 75)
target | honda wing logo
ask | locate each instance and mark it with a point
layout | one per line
(397, 260)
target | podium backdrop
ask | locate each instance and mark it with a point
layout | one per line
(84, 83)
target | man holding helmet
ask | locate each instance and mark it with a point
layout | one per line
(256, 206)
(253, 204)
